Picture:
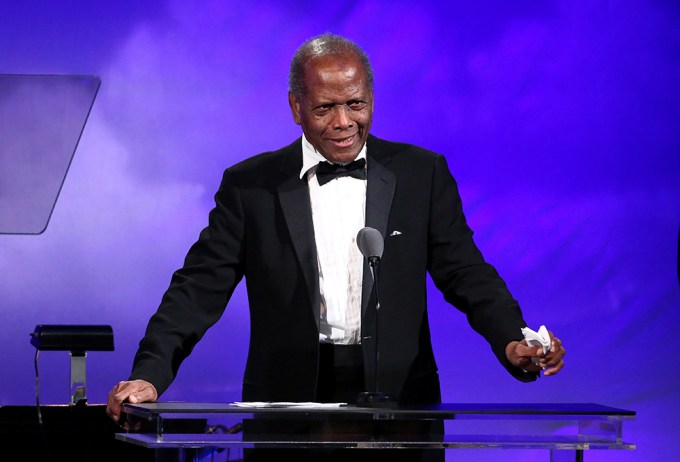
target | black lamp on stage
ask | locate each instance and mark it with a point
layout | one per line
(78, 340)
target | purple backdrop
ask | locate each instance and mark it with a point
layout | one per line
(560, 120)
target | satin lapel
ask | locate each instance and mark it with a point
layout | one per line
(297, 211)
(379, 194)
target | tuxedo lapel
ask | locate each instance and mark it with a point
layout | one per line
(297, 211)
(379, 194)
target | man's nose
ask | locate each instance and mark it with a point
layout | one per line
(341, 117)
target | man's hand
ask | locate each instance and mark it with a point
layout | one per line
(520, 355)
(134, 391)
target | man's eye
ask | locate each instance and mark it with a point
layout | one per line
(356, 105)
(323, 110)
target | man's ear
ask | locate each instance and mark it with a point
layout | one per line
(294, 107)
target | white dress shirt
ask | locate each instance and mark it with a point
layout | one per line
(338, 212)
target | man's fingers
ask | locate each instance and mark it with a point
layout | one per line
(528, 351)
(117, 396)
(555, 369)
(553, 361)
(142, 392)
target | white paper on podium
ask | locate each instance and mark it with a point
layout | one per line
(260, 404)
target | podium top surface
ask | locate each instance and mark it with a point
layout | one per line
(444, 410)
(472, 425)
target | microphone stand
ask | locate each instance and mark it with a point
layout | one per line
(375, 398)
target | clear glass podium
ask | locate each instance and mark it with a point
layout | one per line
(565, 430)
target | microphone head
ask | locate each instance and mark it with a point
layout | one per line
(370, 243)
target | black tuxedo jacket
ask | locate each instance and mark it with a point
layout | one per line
(261, 229)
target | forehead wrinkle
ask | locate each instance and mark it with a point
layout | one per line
(343, 93)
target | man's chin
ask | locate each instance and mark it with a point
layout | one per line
(343, 155)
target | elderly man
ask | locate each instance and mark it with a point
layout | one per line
(287, 222)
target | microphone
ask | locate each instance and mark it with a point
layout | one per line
(371, 245)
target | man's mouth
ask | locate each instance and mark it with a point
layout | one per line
(342, 142)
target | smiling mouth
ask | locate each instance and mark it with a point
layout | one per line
(344, 141)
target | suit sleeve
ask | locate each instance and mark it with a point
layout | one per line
(198, 292)
(466, 280)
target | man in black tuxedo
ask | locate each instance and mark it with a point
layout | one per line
(290, 231)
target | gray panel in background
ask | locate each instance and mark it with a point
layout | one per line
(41, 120)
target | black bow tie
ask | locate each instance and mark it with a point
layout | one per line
(326, 171)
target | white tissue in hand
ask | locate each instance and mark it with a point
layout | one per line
(540, 338)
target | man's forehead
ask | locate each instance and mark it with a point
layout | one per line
(339, 93)
(336, 78)
(345, 71)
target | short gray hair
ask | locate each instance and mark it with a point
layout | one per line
(326, 44)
